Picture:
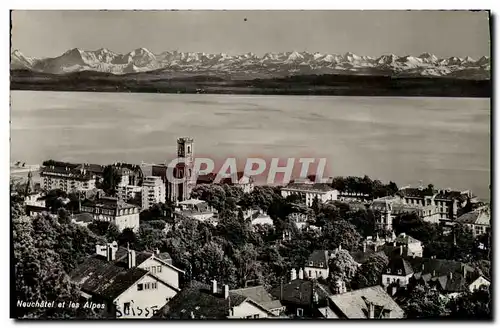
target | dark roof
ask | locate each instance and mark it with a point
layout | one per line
(73, 173)
(94, 168)
(83, 217)
(440, 267)
(406, 239)
(107, 279)
(199, 300)
(478, 216)
(108, 203)
(205, 179)
(415, 192)
(259, 295)
(354, 304)
(450, 195)
(398, 266)
(300, 292)
(317, 258)
(318, 187)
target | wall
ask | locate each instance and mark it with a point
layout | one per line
(128, 221)
(316, 272)
(147, 298)
(478, 283)
(246, 309)
(403, 280)
(167, 274)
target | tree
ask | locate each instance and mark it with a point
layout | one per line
(110, 180)
(342, 266)
(340, 232)
(476, 305)
(127, 237)
(423, 302)
(370, 272)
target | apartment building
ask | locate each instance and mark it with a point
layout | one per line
(153, 191)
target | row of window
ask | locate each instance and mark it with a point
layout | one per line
(255, 316)
(148, 285)
(320, 264)
(154, 269)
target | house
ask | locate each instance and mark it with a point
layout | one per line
(196, 209)
(309, 191)
(262, 219)
(366, 303)
(398, 271)
(411, 246)
(301, 297)
(132, 284)
(446, 202)
(112, 210)
(82, 219)
(33, 201)
(68, 177)
(478, 221)
(259, 295)
(317, 265)
(202, 301)
(153, 191)
(246, 183)
(450, 278)
(126, 189)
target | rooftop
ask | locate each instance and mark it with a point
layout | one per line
(301, 292)
(313, 187)
(480, 216)
(354, 305)
(319, 259)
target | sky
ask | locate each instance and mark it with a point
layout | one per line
(371, 33)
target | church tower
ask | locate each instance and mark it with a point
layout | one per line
(30, 189)
(185, 151)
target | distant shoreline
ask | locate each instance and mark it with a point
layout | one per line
(315, 85)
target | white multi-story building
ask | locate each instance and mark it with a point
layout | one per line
(68, 179)
(112, 210)
(317, 265)
(153, 191)
(310, 191)
(133, 285)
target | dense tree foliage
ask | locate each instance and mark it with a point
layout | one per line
(423, 302)
(370, 273)
(476, 305)
(110, 180)
(365, 185)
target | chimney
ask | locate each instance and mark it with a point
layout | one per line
(131, 258)
(401, 250)
(111, 251)
(450, 275)
(340, 247)
(344, 288)
(465, 271)
(301, 274)
(214, 286)
(423, 267)
(371, 310)
(157, 251)
(226, 291)
(364, 247)
(394, 289)
(433, 273)
(192, 315)
(293, 275)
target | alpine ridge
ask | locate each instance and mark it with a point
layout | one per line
(250, 65)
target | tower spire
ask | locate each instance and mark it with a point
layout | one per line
(29, 185)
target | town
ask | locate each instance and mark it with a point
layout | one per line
(124, 236)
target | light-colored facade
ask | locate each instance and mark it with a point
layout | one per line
(66, 179)
(196, 209)
(480, 282)
(184, 170)
(153, 191)
(112, 210)
(478, 221)
(310, 191)
(124, 193)
(317, 265)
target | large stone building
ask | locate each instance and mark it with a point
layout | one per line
(309, 191)
(153, 191)
(68, 178)
(112, 210)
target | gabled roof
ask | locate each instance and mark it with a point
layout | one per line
(301, 292)
(406, 239)
(107, 279)
(354, 305)
(438, 267)
(313, 187)
(480, 216)
(398, 266)
(197, 299)
(259, 295)
(319, 259)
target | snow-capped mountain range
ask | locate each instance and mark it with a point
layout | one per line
(249, 64)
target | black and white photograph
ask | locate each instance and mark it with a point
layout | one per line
(251, 164)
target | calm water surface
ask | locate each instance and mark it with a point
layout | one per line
(445, 141)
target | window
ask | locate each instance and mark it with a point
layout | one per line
(388, 281)
(255, 316)
(126, 308)
(154, 285)
(321, 264)
(310, 275)
(400, 271)
(248, 317)
(388, 270)
(158, 269)
(140, 287)
(310, 263)
(300, 312)
(146, 285)
(153, 269)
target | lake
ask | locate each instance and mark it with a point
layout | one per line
(444, 141)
